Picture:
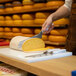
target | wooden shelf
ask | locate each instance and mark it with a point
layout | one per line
(3, 1)
(31, 10)
(53, 43)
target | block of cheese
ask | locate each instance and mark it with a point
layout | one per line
(8, 18)
(27, 17)
(54, 3)
(28, 22)
(27, 2)
(15, 30)
(59, 32)
(9, 9)
(17, 34)
(2, 18)
(9, 22)
(26, 7)
(44, 37)
(8, 5)
(18, 23)
(17, 3)
(62, 21)
(28, 35)
(6, 29)
(39, 21)
(16, 17)
(2, 23)
(1, 29)
(26, 30)
(41, 15)
(24, 44)
(39, 5)
(57, 38)
(18, 8)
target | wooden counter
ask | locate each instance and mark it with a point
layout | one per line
(56, 67)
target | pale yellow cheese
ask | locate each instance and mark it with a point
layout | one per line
(28, 45)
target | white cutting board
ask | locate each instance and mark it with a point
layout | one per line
(19, 55)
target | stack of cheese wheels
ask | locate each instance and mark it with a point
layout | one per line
(17, 3)
(39, 5)
(27, 32)
(54, 3)
(28, 4)
(28, 20)
(1, 8)
(16, 30)
(1, 32)
(9, 7)
(60, 32)
(24, 44)
(17, 20)
(40, 18)
(2, 22)
(63, 21)
(8, 18)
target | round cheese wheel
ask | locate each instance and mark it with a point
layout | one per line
(1, 6)
(59, 32)
(2, 23)
(8, 5)
(1, 29)
(62, 21)
(39, 5)
(9, 22)
(15, 30)
(28, 22)
(18, 23)
(39, 21)
(16, 17)
(26, 30)
(9, 9)
(7, 29)
(37, 31)
(27, 17)
(44, 37)
(27, 2)
(2, 18)
(26, 7)
(54, 3)
(17, 34)
(17, 3)
(28, 35)
(57, 38)
(36, 43)
(8, 18)
(41, 15)
(18, 8)
(8, 34)
(1, 34)
(1, 10)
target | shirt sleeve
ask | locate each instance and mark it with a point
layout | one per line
(68, 4)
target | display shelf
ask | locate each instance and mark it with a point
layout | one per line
(38, 68)
(54, 43)
(31, 10)
(4, 1)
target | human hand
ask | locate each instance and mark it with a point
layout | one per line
(48, 25)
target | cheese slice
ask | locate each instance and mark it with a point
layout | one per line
(25, 44)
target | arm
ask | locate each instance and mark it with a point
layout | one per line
(63, 11)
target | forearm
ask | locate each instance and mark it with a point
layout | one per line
(60, 13)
